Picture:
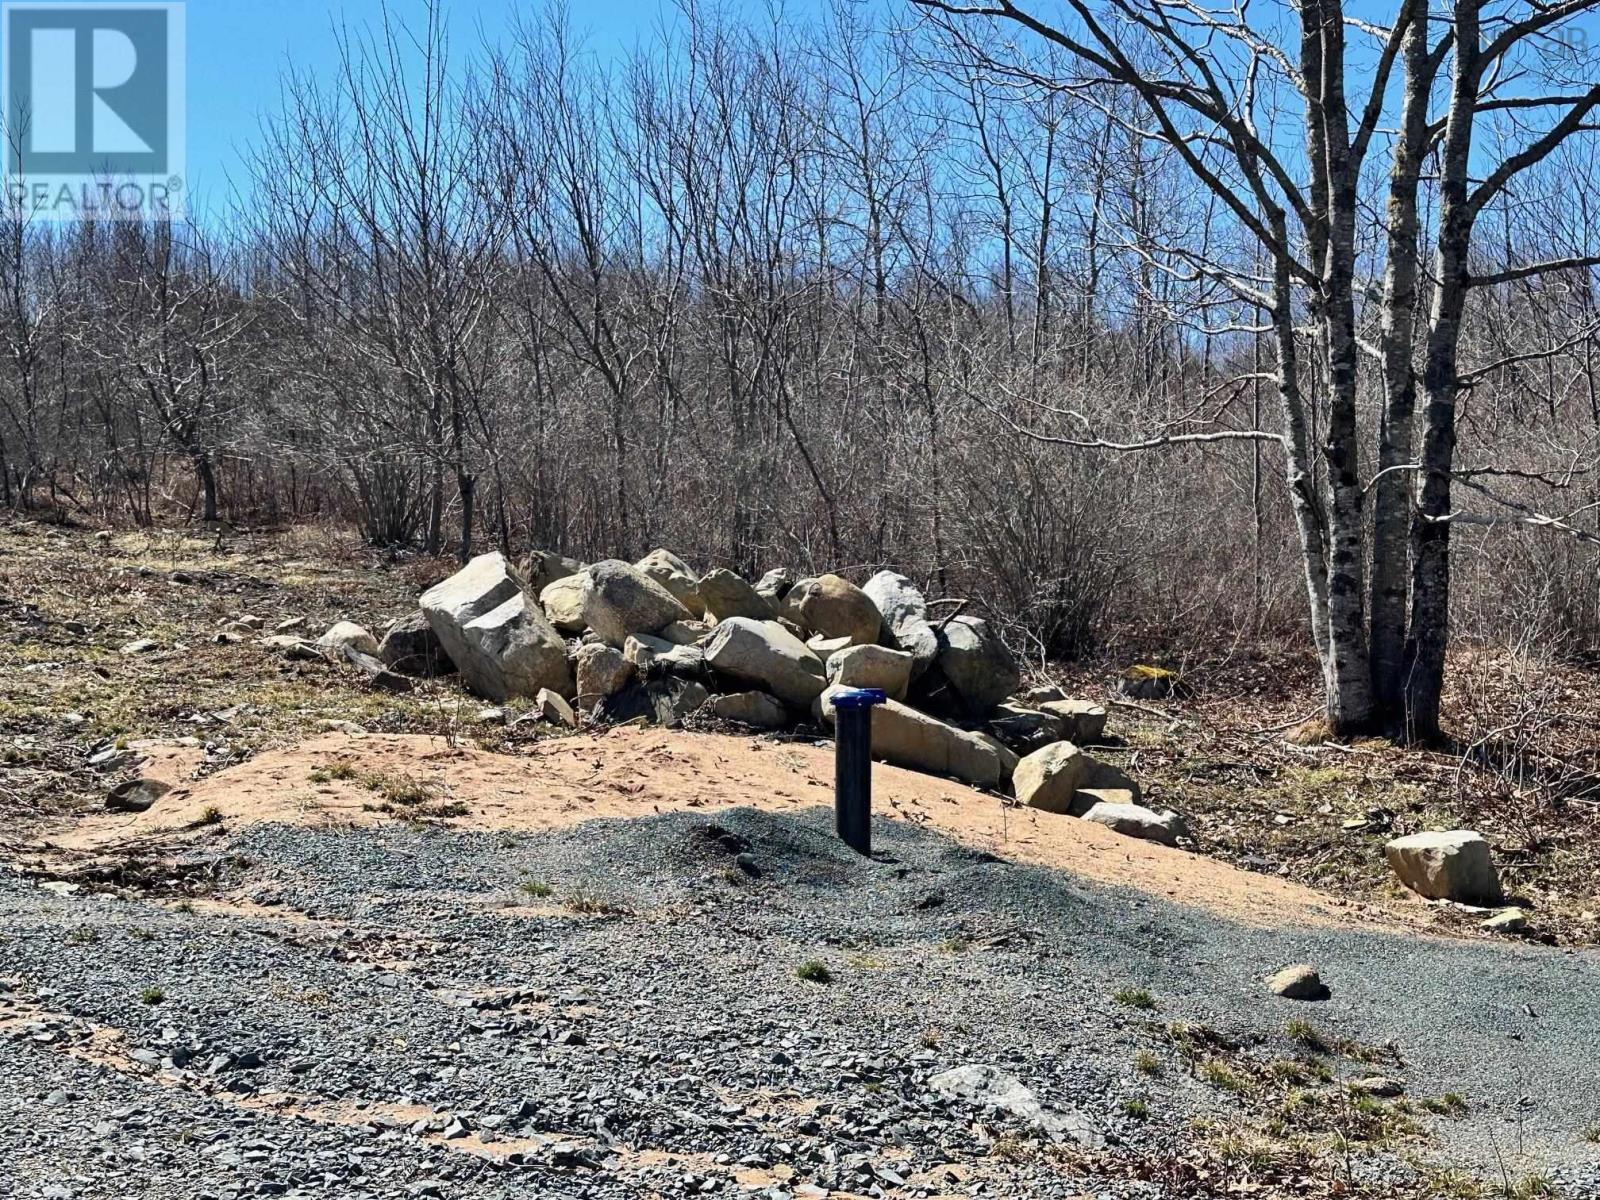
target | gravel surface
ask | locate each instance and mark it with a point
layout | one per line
(619, 1010)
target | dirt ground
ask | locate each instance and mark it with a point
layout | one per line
(1285, 814)
(341, 780)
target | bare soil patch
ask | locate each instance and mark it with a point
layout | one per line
(340, 780)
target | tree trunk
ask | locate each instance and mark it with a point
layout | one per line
(1392, 495)
(1430, 528)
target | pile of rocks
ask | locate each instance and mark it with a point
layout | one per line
(613, 641)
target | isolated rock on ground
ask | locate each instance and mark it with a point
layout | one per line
(1446, 865)
(835, 608)
(1298, 982)
(553, 709)
(290, 646)
(764, 653)
(1145, 682)
(726, 594)
(990, 1087)
(136, 795)
(622, 600)
(775, 585)
(377, 675)
(1135, 820)
(1049, 778)
(347, 633)
(871, 667)
(904, 611)
(977, 664)
(601, 672)
(412, 647)
(562, 601)
(513, 651)
(907, 737)
(672, 573)
(1082, 721)
(756, 709)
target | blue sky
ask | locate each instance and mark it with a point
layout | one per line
(237, 50)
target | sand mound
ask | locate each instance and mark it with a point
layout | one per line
(344, 780)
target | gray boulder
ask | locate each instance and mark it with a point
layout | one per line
(621, 600)
(347, 634)
(1447, 865)
(602, 672)
(756, 709)
(977, 664)
(904, 611)
(764, 653)
(908, 738)
(834, 607)
(726, 594)
(672, 573)
(654, 655)
(1082, 721)
(1050, 777)
(562, 601)
(1135, 820)
(871, 667)
(775, 585)
(512, 650)
(412, 647)
(542, 568)
(553, 709)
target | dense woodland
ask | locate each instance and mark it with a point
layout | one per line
(1041, 304)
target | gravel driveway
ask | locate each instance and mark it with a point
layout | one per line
(618, 1010)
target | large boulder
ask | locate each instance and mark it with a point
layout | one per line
(871, 667)
(1025, 729)
(562, 601)
(904, 611)
(977, 664)
(672, 573)
(775, 585)
(476, 590)
(726, 594)
(412, 647)
(1082, 721)
(602, 672)
(1446, 865)
(1135, 820)
(765, 653)
(347, 635)
(541, 568)
(621, 600)
(756, 709)
(834, 607)
(656, 656)
(665, 701)
(1050, 777)
(512, 650)
(908, 738)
